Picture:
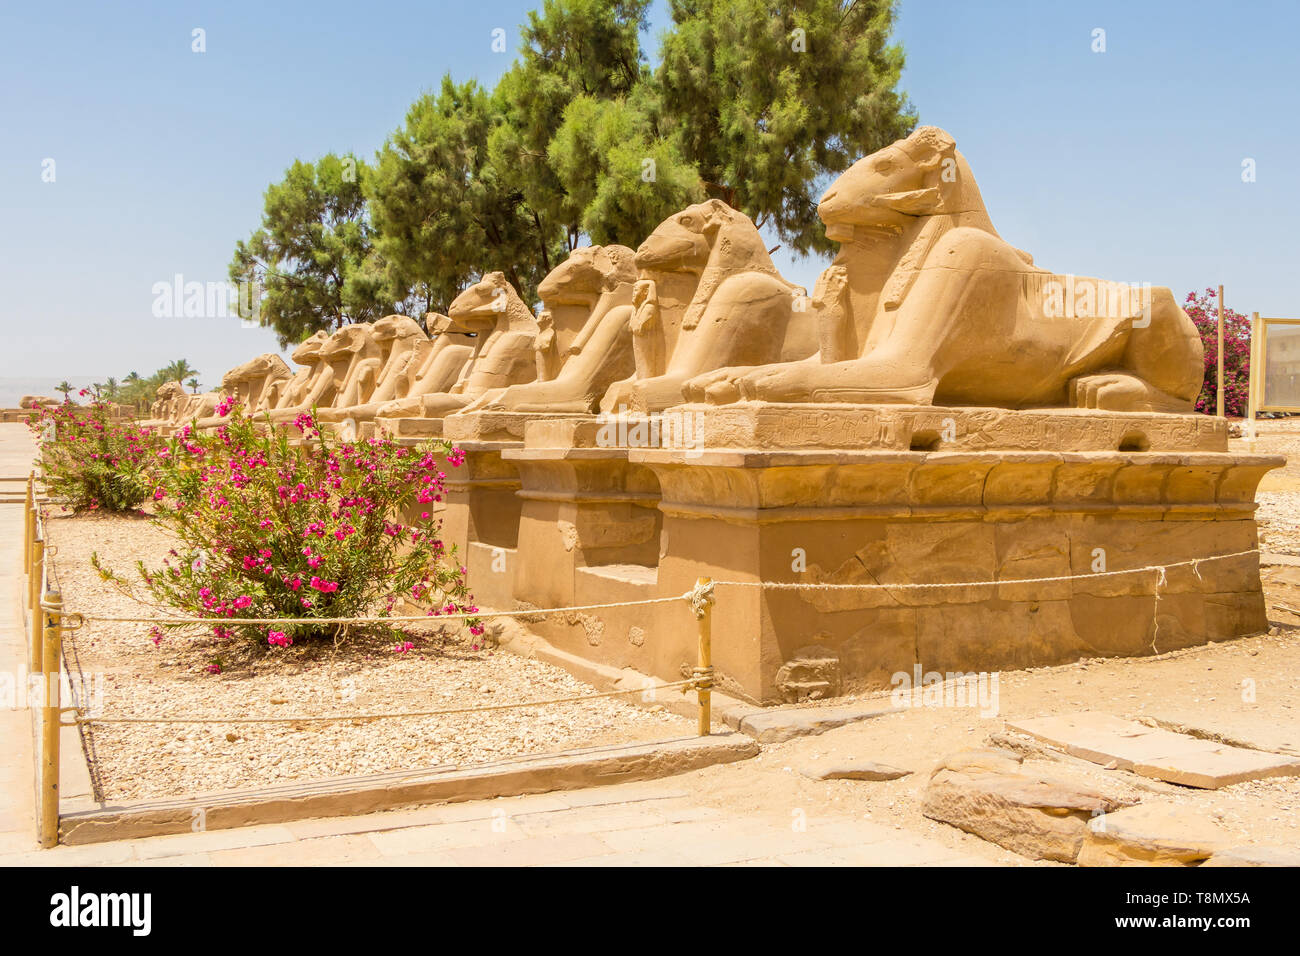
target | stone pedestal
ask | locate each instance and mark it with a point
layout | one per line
(589, 534)
(836, 495)
(777, 502)
(483, 509)
(403, 429)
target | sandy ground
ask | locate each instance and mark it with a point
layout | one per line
(1201, 686)
(137, 678)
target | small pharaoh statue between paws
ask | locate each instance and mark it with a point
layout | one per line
(548, 356)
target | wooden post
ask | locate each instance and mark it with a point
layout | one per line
(1219, 403)
(1254, 378)
(704, 672)
(50, 722)
(34, 585)
(28, 526)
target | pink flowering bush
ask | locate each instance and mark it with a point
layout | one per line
(92, 461)
(315, 528)
(1204, 311)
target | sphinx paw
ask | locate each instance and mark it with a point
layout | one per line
(1121, 392)
(777, 384)
(720, 382)
(724, 392)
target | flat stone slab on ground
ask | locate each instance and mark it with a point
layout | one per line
(1152, 834)
(853, 770)
(1248, 731)
(1255, 856)
(1151, 752)
(786, 723)
(985, 792)
(300, 800)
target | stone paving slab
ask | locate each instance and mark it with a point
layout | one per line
(17, 756)
(623, 825)
(1234, 729)
(785, 723)
(1152, 752)
(358, 794)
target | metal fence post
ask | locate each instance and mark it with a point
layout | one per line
(50, 720)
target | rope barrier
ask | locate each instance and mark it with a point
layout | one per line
(397, 619)
(686, 684)
(909, 585)
(700, 597)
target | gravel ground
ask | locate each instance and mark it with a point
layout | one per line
(1278, 517)
(139, 679)
(1279, 493)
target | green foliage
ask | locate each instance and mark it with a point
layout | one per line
(307, 257)
(580, 62)
(622, 178)
(139, 392)
(754, 103)
(1203, 309)
(91, 461)
(442, 214)
(768, 114)
(268, 528)
(176, 371)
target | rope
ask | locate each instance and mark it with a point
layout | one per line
(399, 619)
(904, 586)
(688, 683)
(701, 598)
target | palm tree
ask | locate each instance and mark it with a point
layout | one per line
(112, 390)
(65, 388)
(178, 371)
(134, 389)
(194, 385)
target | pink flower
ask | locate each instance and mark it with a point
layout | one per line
(243, 601)
(278, 638)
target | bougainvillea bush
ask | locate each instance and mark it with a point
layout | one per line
(1204, 311)
(270, 528)
(92, 461)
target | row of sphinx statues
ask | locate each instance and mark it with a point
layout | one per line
(924, 304)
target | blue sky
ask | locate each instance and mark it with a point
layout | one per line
(1125, 164)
